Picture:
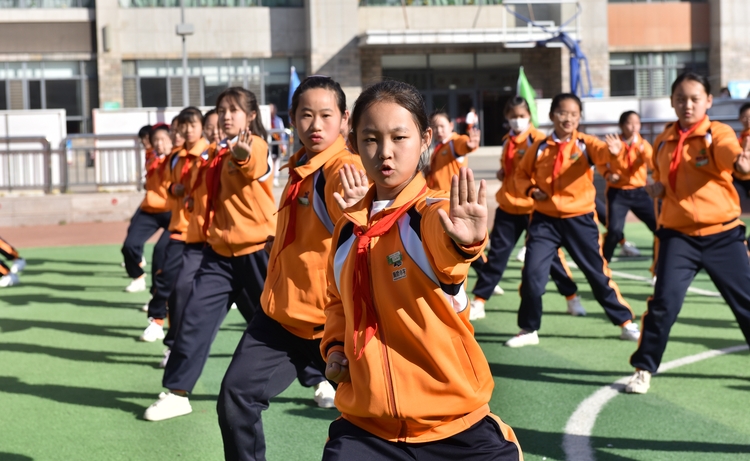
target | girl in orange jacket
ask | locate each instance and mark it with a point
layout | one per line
(558, 174)
(153, 213)
(450, 153)
(286, 333)
(239, 217)
(9, 275)
(397, 336)
(626, 175)
(698, 225)
(512, 216)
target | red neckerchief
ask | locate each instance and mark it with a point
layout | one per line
(510, 154)
(674, 163)
(295, 182)
(213, 181)
(629, 154)
(743, 136)
(561, 145)
(362, 293)
(156, 162)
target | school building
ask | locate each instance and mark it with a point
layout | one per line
(83, 54)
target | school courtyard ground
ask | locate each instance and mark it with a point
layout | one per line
(74, 380)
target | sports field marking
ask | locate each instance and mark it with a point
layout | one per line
(577, 435)
(640, 278)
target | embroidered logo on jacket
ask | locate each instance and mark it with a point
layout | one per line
(575, 156)
(701, 159)
(395, 259)
(399, 274)
(305, 200)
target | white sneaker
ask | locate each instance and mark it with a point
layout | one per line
(9, 280)
(498, 291)
(653, 281)
(141, 265)
(233, 306)
(137, 285)
(523, 338)
(153, 332)
(521, 256)
(476, 310)
(324, 394)
(19, 264)
(630, 332)
(144, 308)
(629, 249)
(575, 308)
(163, 363)
(639, 382)
(169, 406)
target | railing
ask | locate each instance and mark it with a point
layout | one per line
(210, 3)
(428, 2)
(85, 162)
(46, 4)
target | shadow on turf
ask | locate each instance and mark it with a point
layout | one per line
(14, 457)
(69, 287)
(547, 444)
(85, 396)
(309, 409)
(11, 325)
(148, 360)
(43, 298)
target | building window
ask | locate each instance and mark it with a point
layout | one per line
(207, 3)
(657, 1)
(428, 2)
(46, 3)
(158, 83)
(69, 85)
(652, 74)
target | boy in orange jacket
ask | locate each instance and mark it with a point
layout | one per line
(450, 153)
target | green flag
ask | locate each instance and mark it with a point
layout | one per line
(525, 91)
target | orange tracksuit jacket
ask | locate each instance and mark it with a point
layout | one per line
(705, 201)
(244, 209)
(197, 196)
(181, 171)
(423, 376)
(295, 290)
(512, 197)
(447, 160)
(572, 193)
(632, 164)
(155, 200)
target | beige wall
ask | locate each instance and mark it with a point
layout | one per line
(432, 18)
(730, 42)
(658, 26)
(594, 32)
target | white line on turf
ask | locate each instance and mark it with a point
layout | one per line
(577, 436)
(640, 278)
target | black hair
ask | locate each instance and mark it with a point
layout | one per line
(246, 101)
(403, 94)
(626, 115)
(440, 112)
(693, 77)
(208, 114)
(744, 107)
(514, 102)
(156, 128)
(557, 100)
(189, 114)
(319, 81)
(145, 131)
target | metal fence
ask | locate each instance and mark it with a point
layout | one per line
(86, 162)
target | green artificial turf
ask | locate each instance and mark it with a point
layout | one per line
(74, 381)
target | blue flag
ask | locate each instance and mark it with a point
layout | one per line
(293, 84)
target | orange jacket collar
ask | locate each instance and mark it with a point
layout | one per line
(673, 132)
(359, 213)
(317, 161)
(198, 148)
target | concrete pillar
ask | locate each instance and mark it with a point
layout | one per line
(333, 28)
(594, 41)
(109, 63)
(728, 58)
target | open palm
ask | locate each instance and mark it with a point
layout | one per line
(244, 145)
(354, 186)
(466, 222)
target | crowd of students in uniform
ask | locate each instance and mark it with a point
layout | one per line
(356, 280)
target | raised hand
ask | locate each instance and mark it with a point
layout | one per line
(656, 190)
(614, 143)
(467, 222)
(337, 368)
(354, 184)
(743, 161)
(244, 145)
(474, 137)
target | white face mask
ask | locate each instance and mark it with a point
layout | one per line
(519, 125)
